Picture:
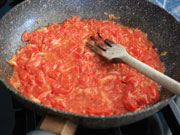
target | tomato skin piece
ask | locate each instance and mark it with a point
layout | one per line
(21, 62)
(77, 55)
(59, 105)
(44, 94)
(61, 89)
(46, 102)
(99, 111)
(31, 49)
(130, 103)
(24, 36)
(33, 64)
(85, 81)
(35, 37)
(23, 75)
(143, 100)
(40, 78)
(32, 81)
(152, 94)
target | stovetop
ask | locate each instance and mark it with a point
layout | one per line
(17, 120)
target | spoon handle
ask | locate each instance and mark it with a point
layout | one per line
(165, 81)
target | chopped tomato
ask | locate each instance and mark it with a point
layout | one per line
(56, 68)
(130, 103)
(24, 36)
(99, 111)
(61, 89)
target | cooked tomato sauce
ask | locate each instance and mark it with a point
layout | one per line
(56, 69)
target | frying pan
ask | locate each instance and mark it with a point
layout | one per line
(163, 31)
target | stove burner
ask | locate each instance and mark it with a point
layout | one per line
(27, 121)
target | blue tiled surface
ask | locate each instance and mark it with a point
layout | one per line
(172, 6)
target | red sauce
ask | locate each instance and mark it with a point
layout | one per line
(56, 69)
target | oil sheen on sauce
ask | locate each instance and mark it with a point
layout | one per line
(56, 68)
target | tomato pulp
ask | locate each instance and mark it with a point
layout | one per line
(56, 68)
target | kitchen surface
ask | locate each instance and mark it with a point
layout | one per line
(18, 120)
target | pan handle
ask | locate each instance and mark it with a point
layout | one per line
(52, 125)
